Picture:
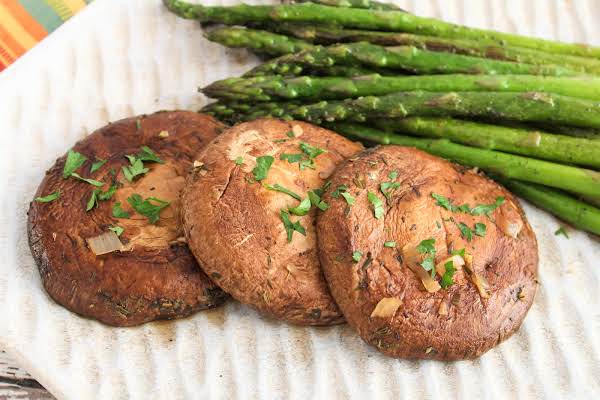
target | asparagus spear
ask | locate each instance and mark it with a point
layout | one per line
(367, 4)
(259, 41)
(270, 88)
(394, 21)
(407, 58)
(531, 106)
(575, 212)
(576, 180)
(321, 34)
(532, 143)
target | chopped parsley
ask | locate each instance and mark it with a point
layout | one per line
(291, 158)
(116, 229)
(48, 198)
(315, 200)
(138, 124)
(97, 164)
(290, 226)
(306, 158)
(481, 209)
(311, 151)
(465, 231)
(263, 164)
(99, 195)
(321, 191)
(150, 207)
(393, 175)
(290, 134)
(146, 154)
(389, 244)
(356, 256)
(92, 182)
(336, 193)
(378, 210)
(348, 197)
(135, 169)
(447, 278)
(239, 160)
(74, 161)
(460, 252)
(301, 209)
(480, 229)
(387, 188)
(562, 231)
(118, 212)
(427, 247)
(278, 188)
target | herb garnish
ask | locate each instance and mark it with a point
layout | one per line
(448, 275)
(116, 229)
(92, 182)
(290, 226)
(146, 207)
(342, 190)
(263, 164)
(99, 195)
(480, 229)
(290, 134)
(278, 188)
(301, 209)
(48, 198)
(315, 200)
(74, 161)
(389, 244)
(465, 231)
(305, 160)
(336, 193)
(239, 160)
(146, 154)
(136, 168)
(427, 247)
(118, 212)
(291, 158)
(481, 209)
(562, 231)
(97, 164)
(356, 256)
(387, 188)
(378, 210)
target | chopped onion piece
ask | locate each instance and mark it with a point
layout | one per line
(443, 310)
(430, 284)
(511, 228)
(456, 259)
(482, 285)
(386, 307)
(105, 243)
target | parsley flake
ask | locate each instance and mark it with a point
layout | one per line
(311, 151)
(480, 229)
(447, 278)
(487, 208)
(146, 207)
(239, 160)
(291, 158)
(387, 188)
(356, 256)
(118, 212)
(460, 252)
(481, 209)
(48, 198)
(278, 188)
(315, 200)
(378, 210)
(74, 161)
(465, 231)
(301, 209)
(393, 175)
(116, 229)
(348, 197)
(427, 247)
(146, 154)
(135, 169)
(389, 244)
(290, 134)
(92, 182)
(562, 231)
(97, 164)
(99, 195)
(290, 226)
(340, 189)
(263, 164)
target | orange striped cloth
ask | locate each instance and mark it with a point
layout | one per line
(23, 23)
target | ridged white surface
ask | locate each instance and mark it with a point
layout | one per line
(120, 58)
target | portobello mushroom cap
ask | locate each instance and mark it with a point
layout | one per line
(376, 267)
(233, 222)
(154, 275)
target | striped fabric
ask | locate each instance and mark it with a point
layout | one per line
(23, 23)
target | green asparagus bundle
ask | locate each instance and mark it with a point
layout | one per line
(530, 106)
(309, 88)
(531, 143)
(326, 35)
(573, 179)
(393, 21)
(406, 58)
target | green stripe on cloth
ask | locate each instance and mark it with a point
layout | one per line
(42, 13)
(60, 8)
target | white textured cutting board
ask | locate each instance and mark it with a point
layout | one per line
(119, 58)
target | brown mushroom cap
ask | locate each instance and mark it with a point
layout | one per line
(155, 276)
(233, 223)
(381, 296)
